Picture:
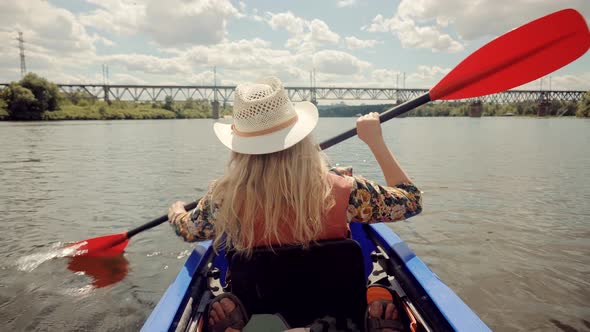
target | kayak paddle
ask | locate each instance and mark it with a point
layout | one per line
(515, 58)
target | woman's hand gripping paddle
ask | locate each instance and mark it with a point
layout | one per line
(515, 58)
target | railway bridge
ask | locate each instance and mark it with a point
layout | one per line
(217, 94)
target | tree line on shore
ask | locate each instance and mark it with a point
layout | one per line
(525, 108)
(35, 98)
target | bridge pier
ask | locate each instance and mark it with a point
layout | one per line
(105, 89)
(476, 109)
(215, 109)
(543, 107)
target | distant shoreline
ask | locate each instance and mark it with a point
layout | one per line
(74, 118)
(92, 109)
(34, 98)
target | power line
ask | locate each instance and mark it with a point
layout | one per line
(21, 46)
(404, 81)
(105, 74)
(313, 86)
(215, 83)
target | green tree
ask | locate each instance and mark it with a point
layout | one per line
(77, 96)
(189, 104)
(102, 110)
(168, 103)
(526, 108)
(441, 110)
(3, 111)
(584, 106)
(83, 103)
(490, 109)
(567, 108)
(45, 92)
(21, 103)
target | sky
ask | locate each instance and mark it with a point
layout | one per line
(363, 43)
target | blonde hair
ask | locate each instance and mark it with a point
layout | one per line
(289, 188)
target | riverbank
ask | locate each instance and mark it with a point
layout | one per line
(122, 111)
(443, 109)
(127, 110)
(35, 98)
(99, 110)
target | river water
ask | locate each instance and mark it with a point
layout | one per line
(506, 221)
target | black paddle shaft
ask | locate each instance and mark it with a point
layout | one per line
(385, 116)
(157, 221)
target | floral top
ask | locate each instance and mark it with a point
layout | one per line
(369, 202)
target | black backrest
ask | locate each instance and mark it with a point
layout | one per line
(326, 279)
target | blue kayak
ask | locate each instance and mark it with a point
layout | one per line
(326, 279)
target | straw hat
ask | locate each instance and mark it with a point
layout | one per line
(265, 120)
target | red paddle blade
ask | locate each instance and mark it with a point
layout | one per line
(518, 57)
(107, 245)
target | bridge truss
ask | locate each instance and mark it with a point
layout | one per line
(153, 93)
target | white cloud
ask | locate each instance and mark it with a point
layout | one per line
(55, 41)
(148, 63)
(242, 60)
(122, 17)
(354, 43)
(61, 46)
(345, 3)
(293, 24)
(126, 79)
(337, 62)
(423, 76)
(305, 35)
(580, 81)
(486, 18)
(242, 5)
(46, 28)
(241, 54)
(175, 22)
(321, 33)
(205, 78)
(412, 35)
(426, 76)
(103, 40)
(247, 60)
(422, 23)
(172, 22)
(379, 24)
(255, 16)
(387, 77)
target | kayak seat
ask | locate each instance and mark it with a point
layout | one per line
(325, 279)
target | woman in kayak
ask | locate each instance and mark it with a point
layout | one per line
(278, 189)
